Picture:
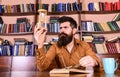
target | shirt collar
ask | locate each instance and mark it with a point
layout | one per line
(76, 42)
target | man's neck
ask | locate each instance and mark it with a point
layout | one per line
(70, 46)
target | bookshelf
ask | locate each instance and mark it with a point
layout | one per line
(12, 62)
(16, 12)
(5, 62)
(77, 15)
(99, 17)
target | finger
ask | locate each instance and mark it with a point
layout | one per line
(39, 32)
(90, 63)
(37, 28)
(84, 62)
(83, 58)
(87, 63)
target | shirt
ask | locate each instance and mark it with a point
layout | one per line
(79, 50)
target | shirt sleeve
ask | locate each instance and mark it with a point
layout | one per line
(43, 59)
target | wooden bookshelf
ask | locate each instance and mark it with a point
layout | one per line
(18, 14)
(11, 34)
(5, 63)
(99, 32)
(99, 12)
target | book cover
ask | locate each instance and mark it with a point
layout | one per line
(117, 44)
(117, 17)
(105, 26)
(112, 27)
(118, 23)
(69, 71)
(101, 48)
(91, 6)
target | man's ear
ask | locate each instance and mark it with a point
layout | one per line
(74, 31)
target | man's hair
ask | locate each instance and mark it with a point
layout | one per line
(63, 19)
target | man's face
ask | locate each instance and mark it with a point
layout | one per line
(66, 34)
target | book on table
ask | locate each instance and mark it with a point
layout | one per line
(69, 71)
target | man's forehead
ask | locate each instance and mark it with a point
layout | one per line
(65, 24)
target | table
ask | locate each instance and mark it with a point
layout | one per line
(46, 74)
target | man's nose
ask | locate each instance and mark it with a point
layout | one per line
(62, 30)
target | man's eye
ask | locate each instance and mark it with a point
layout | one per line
(65, 27)
(60, 27)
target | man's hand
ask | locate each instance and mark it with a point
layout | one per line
(87, 61)
(39, 35)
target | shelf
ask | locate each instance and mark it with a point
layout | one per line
(61, 13)
(33, 13)
(18, 14)
(9, 34)
(99, 12)
(25, 33)
(106, 32)
(115, 55)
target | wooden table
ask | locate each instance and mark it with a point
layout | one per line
(46, 74)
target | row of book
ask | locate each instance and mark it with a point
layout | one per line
(53, 26)
(94, 39)
(66, 7)
(21, 47)
(104, 6)
(59, 7)
(102, 46)
(20, 8)
(105, 48)
(99, 39)
(16, 28)
(31, 7)
(24, 49)
(103, 26)
(17, 50)
(25, 27)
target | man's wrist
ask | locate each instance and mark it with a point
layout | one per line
(39, 45)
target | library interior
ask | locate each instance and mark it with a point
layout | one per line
(36, 42)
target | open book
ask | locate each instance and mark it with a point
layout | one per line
(69, 71)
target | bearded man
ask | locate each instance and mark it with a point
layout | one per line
(69, 51)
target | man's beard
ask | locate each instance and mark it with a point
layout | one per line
(64, 39)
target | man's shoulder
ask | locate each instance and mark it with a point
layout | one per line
(54, 44)
(78, 41)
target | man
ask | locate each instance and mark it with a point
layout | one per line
(68, 50)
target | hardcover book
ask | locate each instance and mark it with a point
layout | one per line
(69, 71)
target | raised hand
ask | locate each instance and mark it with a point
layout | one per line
(39, 35)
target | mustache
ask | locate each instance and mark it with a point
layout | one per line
(62, 34)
